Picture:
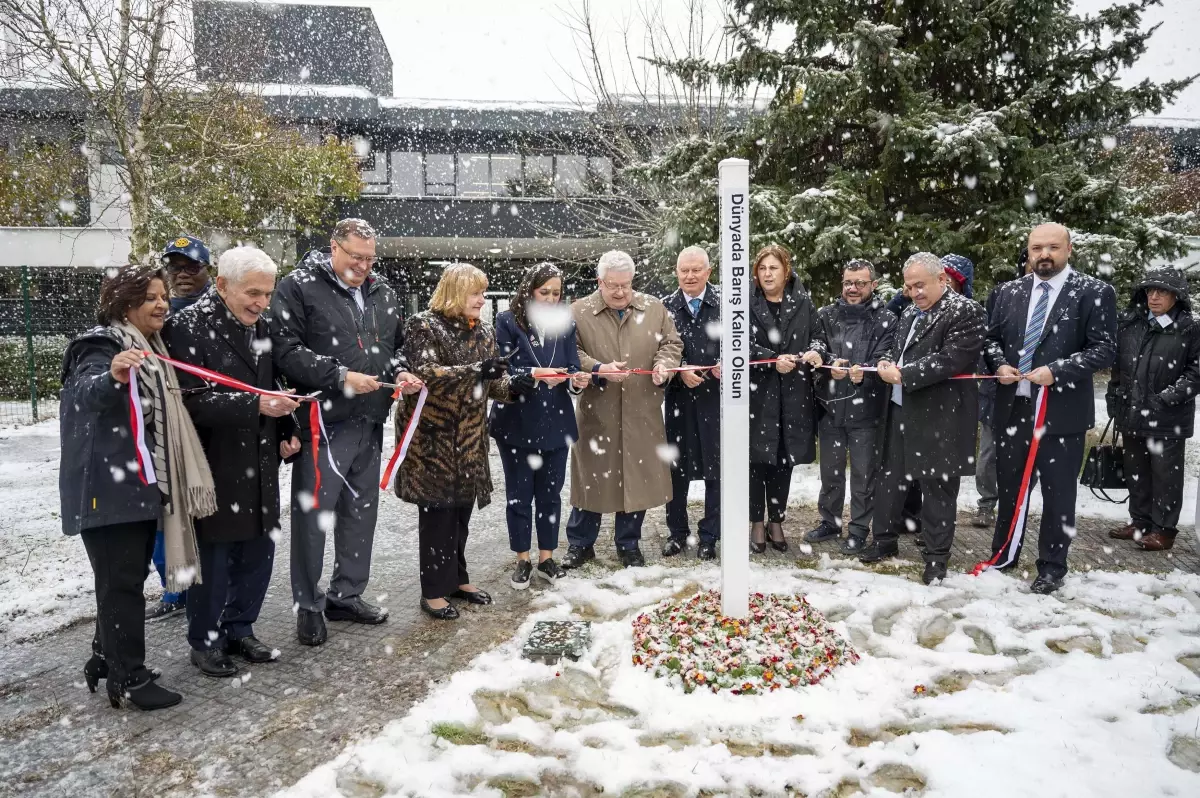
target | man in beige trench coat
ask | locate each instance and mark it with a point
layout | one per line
(620, 463)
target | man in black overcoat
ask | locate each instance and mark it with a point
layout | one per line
(693, 405)
(1054, 328)
(245, 436)
(930, 419)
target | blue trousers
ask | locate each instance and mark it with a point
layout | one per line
(583, 527)
(225, 605)
(525, 485)
(159, 558)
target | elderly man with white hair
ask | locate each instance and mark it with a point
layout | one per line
(621, 463)
(930, 418)
(245, 436)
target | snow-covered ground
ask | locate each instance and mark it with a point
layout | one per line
(1094, 691)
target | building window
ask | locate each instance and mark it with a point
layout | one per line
(407, 176)
(506, 175)
(570, 176)
(600, 176)
(374, 173)
(539, 176)
(474, 176)
(439, 175)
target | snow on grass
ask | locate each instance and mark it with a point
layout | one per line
(1094, 691)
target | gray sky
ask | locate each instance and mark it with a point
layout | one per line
(522, 50)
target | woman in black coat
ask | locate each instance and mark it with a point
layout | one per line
(115, 493)
(784, 328)
(534, 433)
(1152, 400)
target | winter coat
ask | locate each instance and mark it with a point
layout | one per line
(1154, 383)
(241, 444)
(95, 484)
(447, 461)
(693, 415)
(859, 334)
(783, 406)
(987, 388)
(1078, 339)
(940, 414)
(541, 417)
(621, 460)
(318, 334)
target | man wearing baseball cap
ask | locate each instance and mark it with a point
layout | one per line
(186, 260)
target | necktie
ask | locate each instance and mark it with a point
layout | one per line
(1033, 333)
(695, 306)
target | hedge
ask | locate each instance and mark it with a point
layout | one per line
(48, 354)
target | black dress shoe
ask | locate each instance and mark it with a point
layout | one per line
(706, 551)
(310, 628)
(1045, 585)
(933, 571)
(447, 613)
(578, 556)
(758, 538)
(852, 545)
(355, 610)
(214, 662)
(823, 531)
(775, 536)
(877, 553)
(249, 648)
(472, 596)
(146, 696)
(632, 558)
(674, 546)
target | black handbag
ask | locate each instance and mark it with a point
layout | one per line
(1104, 468)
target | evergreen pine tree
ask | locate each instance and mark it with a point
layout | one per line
(941, 125)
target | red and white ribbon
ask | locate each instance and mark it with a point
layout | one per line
(389, 473)
(137, 421)
(1017, 522)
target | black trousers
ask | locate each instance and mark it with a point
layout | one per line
(226, 603)
(442, 535)
(677, 514)
(524, 485)
(909, 519)
(859, 444)
(1156, 494)
(1059, 459)
(120, 557)
(939, 497)
(769, 488)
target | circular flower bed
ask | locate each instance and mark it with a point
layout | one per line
(783, 642)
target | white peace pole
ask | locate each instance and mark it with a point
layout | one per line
(734, 187)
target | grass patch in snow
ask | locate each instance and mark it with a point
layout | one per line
(458, 734)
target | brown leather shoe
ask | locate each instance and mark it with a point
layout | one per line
(1156, 541)
(1125, 533)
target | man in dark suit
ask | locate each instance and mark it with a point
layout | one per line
(244, 436)
(930, 418)
(1053, 328)
(693, 404)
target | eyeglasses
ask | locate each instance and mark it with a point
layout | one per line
(617, 288)
(859, 284)
(363, 260)
(189, 266)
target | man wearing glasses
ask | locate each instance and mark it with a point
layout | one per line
(859, 330)
(186, 259)
(336, 330)
(621, 462)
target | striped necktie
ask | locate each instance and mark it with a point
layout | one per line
(1033, 332)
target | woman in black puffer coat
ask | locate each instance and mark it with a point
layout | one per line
(1152, 401)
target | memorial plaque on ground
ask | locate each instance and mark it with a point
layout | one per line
(550, 641)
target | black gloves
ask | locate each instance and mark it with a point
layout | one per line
(493, 368)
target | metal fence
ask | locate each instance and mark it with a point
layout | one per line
(41, 309)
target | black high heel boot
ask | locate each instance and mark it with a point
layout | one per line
(778, 543)
(146, 696)
(94, 670)
(758, 538)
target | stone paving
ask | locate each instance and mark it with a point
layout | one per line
(252, 736)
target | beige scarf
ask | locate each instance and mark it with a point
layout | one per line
(184, 478)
